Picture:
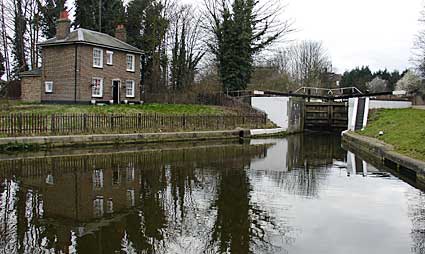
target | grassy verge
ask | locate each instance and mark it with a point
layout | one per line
(403, 128)
(165, 109)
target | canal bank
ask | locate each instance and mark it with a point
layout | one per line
(386, 154)
(32, 143)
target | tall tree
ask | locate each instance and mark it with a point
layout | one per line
(18, 50)
(5, 40)
(147, 25)
(2, 65)
(50, 11)
(306, 62)
(419, 53)
(99, 15)
(185, 51)
(239, 30)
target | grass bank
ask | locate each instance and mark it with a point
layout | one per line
(164, 109)
(403, 128)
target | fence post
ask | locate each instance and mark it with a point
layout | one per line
(139, 121)
(85, 122)
(111, 116)
(20, 122)
(184, 121)
(52, 123)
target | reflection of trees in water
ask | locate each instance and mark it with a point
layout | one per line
(20, 228)
(309, 158)
(417, 214)
(240, 226)
(175, 193)
(304, 182)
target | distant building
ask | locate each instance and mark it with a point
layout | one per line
(84, 66)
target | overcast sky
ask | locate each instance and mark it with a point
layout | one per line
(378, 33)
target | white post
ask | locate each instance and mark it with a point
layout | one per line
(366, 112)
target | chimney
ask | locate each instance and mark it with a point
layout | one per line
(121, 33)
(63, 26)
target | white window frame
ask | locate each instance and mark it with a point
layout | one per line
(98, 206)
(48, 86)
(100, 65)
(133, 62)
(100, 95)
(133, 90)
(109, 57)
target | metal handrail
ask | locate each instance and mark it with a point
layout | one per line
(328, 90)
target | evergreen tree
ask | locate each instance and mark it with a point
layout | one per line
(357, 77)
(239, 31)
(50, 11)
(87, 15)
(18, 50)
(146, 29)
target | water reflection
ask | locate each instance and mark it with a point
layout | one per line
(263, 197)
(356, 165)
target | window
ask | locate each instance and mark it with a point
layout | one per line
(130, 197)
(116, 178)
(109, 206)
(129, 88)
(97, 87)
(48, 86)
(130, 62)
(98, 179)
(109, 57)
(130, 173)
(97, 58)
(98, 207)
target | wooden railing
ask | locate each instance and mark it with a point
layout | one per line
(63, 124)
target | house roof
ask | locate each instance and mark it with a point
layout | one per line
(85, 36)
(31, 73)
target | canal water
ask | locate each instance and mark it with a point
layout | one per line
(301, 194)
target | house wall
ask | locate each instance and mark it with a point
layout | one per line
(31, 89)
(59, 67)
(108, 73)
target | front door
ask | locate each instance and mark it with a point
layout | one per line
(116, 91)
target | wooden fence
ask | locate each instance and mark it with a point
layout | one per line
(63, 124)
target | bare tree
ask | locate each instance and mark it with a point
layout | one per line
(306, 62)
(419, 48)
(5, 41)
(186, 48)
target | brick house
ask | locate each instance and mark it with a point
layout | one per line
(84, 66)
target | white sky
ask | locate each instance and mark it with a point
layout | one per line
(378, 33)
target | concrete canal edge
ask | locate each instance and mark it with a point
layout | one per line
(23, 143)
(385, 153)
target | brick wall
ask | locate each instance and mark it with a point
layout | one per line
(59, 67)
(116, 71)
(31, 89)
